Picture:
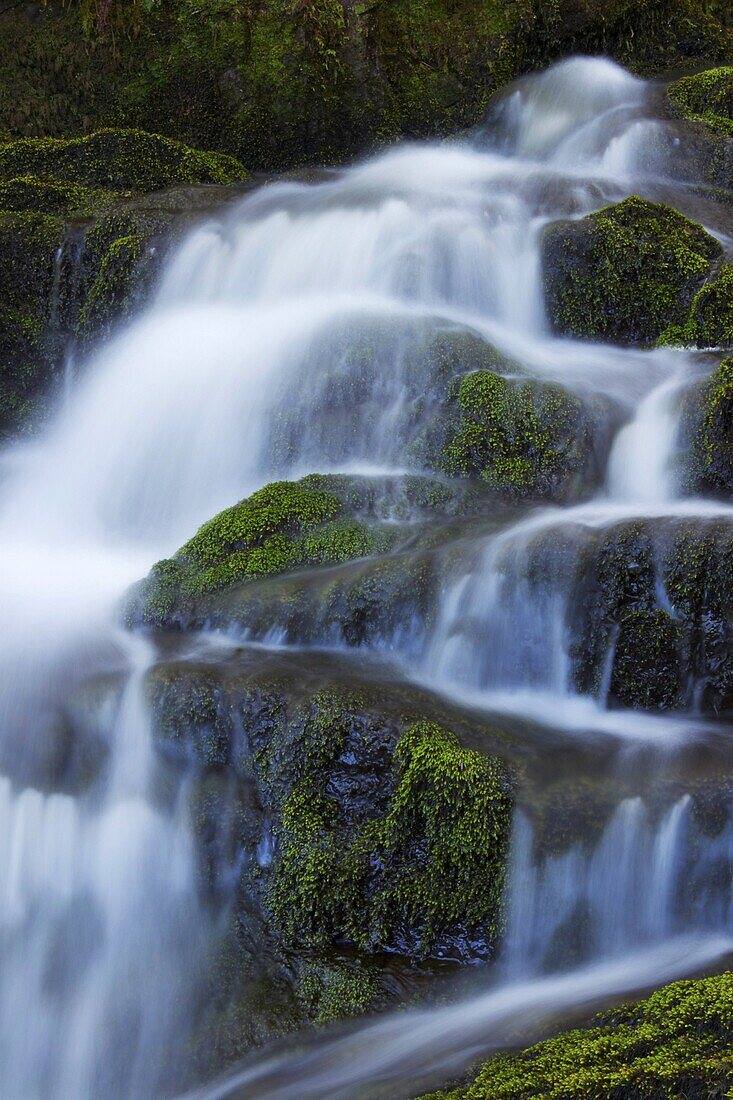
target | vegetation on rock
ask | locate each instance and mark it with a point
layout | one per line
(676, 1043)
(709, 426)
(523, 438)
(75, 254)
(425, 876)
(705, 97)
(278, 83)
(626, 273)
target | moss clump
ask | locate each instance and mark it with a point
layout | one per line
(677, 1043)
(705, 97)
(427, 873)
(524, 439)
(116, 160)
(283, 526)
(332, 991)
(59, 198)
(626, 273)
(646, 663)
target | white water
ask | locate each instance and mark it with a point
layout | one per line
(243, 368)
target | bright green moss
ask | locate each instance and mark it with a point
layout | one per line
(118, 160)
(431, 866)
(678, 1043)
(706, 97)
(283, 526)
(524, 439)
(626, 273)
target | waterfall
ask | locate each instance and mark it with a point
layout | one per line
(245, 366)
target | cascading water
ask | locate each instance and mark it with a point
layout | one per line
(243, 368)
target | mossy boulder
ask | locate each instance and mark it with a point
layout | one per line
(626, 273)
(284, 526)
(29, 245)
(410, 879)
(116, 160)
(708, 426)
(706, 97)
(709, 322)
(334, 821)
(75, 254)
(678, 1042)
(524, 438)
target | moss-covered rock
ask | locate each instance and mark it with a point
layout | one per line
(646, 661)
(278, 83)
(116, 160)
(709, 323)
(284, 526)
(411, 878)
(29, 246)
(525, 439)
(708, 422)
(676, 1043)
(75, 256)
(625, 273)
(706, 97)
(333, 820)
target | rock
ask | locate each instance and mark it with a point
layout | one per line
(525, 439)
(708, 424)
(279, 84)
(282, 527)
(657, 598)
(116, 160)
(334, 822)
(75, 254)
(626, 273)
(688, 1025)
(706, 97)
(646, 669)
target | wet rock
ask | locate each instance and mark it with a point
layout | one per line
(708, 433)
(626, 273)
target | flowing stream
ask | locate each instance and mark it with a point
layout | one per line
(240, 370)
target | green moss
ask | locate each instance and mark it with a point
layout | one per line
(524, 439)
(678, 1043)
(283, 526)
(116, 160)
(430, 867)
(709, 323)
(626, 273)
(337, 990)
(646, 664)
(710, 418)
(280, 83)
(111, 292)
(705, 97)
(62, 199)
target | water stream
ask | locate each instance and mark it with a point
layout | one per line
(243, 368)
